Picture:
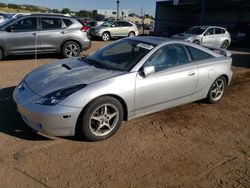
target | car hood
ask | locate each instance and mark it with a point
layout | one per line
(183, 36)
(65, 73)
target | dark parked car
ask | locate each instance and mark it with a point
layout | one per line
(43, 33)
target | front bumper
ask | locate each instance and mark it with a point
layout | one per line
(55, 120)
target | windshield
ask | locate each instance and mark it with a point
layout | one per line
(122, 55)
(196, 30)
(7, 21)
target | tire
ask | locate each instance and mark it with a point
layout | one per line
(1, 54)
(101, 119)
(71, 49)
(224, 44)
(217, 90)
(197, 42)
(106, 36)
(131, 34)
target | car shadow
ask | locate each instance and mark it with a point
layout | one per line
(32, 57)
(11, 122)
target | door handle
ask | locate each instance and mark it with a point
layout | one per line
(191, 73)
(63, 32)
(33, 34)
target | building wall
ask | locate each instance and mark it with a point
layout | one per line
(169, 16)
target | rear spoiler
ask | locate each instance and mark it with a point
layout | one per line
(221, 51)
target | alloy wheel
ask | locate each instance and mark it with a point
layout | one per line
(104, 119)
(217, 89)
(72, 50)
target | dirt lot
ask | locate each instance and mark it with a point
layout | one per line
(195, 145)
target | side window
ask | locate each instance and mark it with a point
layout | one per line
(67, 22)
(51, 23)
(210, 31)
(125, 24)
(26, 24)
(167, 57)
(197, 54)
(218, 31)
(117, 24)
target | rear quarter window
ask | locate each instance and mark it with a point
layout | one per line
(197, 54)
(67, 22)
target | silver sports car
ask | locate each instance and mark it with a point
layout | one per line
(129, 78)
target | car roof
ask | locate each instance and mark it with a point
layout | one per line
(152, 39)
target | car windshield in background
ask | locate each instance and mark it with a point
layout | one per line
(121, 56)
(196, 30)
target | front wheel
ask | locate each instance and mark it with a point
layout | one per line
(101, 118)
(217, 90)
(197, 42)
(71, 49)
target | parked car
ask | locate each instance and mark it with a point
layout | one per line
(43, 33)
(240, 33)
(117, 28)
(129, 78)
(206, 35)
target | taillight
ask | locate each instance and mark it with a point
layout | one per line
(84, 28)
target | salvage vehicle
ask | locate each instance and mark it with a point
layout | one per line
(128, 78)
(206, 35)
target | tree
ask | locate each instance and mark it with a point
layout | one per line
(83, 13)
(56, 11)
(3, 5)
(66, 11)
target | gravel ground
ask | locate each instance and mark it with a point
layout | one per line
(195, 145)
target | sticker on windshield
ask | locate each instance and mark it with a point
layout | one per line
(145, 46)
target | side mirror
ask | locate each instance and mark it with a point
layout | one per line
(9, 28)
(148, 71)
(113, 25)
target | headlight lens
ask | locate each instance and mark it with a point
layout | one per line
(57, 96)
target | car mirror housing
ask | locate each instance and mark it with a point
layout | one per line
(9, 29)
(148, 70)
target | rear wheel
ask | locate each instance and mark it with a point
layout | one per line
(106, 36)
(71, 49)
(131, 34)
(101, 119)
(224, 44)
(217, 90)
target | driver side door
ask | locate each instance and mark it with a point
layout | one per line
(173, 82)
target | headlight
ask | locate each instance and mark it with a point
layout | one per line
(57, 96)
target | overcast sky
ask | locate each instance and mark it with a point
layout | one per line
(76, 5)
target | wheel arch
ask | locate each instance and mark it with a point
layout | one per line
(68, 40)
(122, 101)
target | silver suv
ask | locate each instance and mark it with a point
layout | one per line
(206, 35)
(43, 33)
(117, 28)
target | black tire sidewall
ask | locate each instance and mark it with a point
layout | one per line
(209, 96)
(66, 44)
(84, 125)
